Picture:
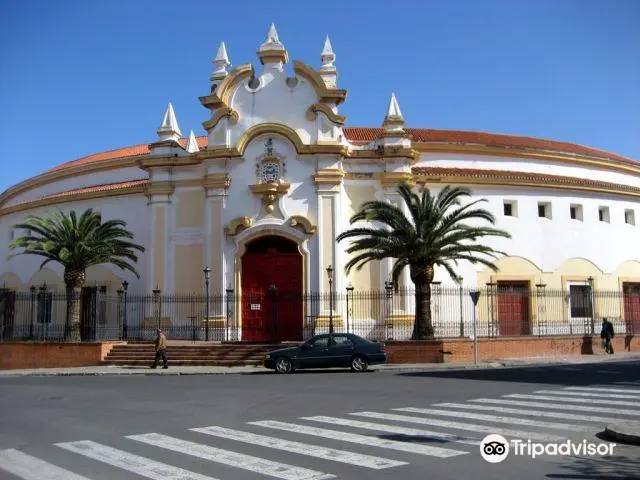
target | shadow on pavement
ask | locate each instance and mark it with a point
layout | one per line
(617, 467)
(308, 372)
(421, 438)
(573, 374)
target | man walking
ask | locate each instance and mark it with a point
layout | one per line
(607, 334)
(161, 350)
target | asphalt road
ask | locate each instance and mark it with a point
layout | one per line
(132, 427)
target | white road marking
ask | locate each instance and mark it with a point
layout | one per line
(530, 413)
(361, 439)
(595, 401)
(132, 463)
(325, 453)
(31, 468)
(586, 394)
(558, 406)
(614, 390)
(380, 427)
(496, 418)
(233, 459)
(462, 426)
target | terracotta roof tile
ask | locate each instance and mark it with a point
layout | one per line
(420, 135)
(425, 135)
(99, 188)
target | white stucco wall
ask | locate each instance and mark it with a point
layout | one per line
(485, 162)
(132, 209)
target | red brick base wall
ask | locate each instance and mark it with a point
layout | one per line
(51, 355)
(461, 350)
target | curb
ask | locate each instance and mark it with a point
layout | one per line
(614, 432)
(432, 367)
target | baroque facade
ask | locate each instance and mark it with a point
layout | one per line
(261, 198)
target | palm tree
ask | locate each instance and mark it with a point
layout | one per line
(433, 234)
(76, 244)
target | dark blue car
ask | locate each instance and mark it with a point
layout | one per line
(328, 351)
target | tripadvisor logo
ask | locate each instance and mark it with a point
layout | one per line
(494, 448)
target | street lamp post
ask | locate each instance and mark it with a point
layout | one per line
(475, 295)
(460, 279)
(349, 291)
(32, 289)
(229, 292)
(125, 327)
(207, 277)
(330, 275)
(157, 300)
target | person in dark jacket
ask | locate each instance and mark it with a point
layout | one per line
(607, 334)
(161, 350)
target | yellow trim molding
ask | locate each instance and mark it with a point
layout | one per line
(329, 176)
(394, 179)
(149, 162)
(66, 172)
(236, 225)
(303, 223)
(273, 55)
(72, 197)
(265, 128)
(324, 108)
(216, 180)
(611, 165)
(270, 192)
(522, 179)
(164, 187)
(219, 115)
(221, 96)
(325, 95)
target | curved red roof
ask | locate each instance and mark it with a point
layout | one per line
(419, 135)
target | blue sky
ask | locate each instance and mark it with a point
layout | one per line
(80, 77)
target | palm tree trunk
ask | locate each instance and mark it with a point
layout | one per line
(423, 325)
(73, 279)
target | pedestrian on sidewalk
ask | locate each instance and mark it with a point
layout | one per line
(161, 350)
(607, 334)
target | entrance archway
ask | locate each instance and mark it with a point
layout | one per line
(272, 285)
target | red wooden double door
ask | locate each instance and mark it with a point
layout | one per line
(272, 306)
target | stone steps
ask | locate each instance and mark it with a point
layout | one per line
(195, 355)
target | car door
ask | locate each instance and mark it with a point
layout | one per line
(315, 353)
(340, 350)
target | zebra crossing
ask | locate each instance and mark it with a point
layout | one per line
(357, 440)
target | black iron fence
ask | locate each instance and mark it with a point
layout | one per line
(39, 315)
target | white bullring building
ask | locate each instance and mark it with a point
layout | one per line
(261, 198)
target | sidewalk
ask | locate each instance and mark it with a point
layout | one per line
(425, 367)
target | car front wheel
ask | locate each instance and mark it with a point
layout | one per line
(284, 365)
(358, 364)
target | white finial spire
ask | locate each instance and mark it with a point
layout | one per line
(328, 69)
(394, 108)
(328, 49)
(272, 51)
(327, 56)
(169, 129)
(192, 144)
(221, 62)
(272, 35)
(393, 120)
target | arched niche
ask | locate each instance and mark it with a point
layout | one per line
(48, 276)
(510, 268)
(101, 276)
(11, 281)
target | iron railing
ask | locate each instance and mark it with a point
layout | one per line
(39, 315)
